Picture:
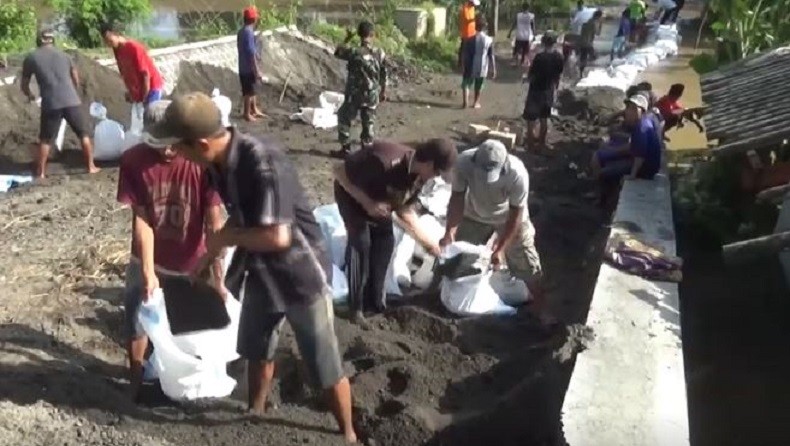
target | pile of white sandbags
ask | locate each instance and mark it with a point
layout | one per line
(325, 115)
(662, 41)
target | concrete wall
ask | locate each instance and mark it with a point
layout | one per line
(629, 387)
(219, 52)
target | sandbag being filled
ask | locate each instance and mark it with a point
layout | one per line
(191, 365)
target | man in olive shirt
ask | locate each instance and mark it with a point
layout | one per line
(372, 183)
(587, 49)
(57, 80)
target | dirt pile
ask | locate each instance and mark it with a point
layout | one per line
(101, 84)
(42, 424)
(590, 104)
(304, 65)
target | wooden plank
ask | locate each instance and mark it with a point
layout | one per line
(773, 194)
(750, 250)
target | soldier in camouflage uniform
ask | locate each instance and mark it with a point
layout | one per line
(365, 87)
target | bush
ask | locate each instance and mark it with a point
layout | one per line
(83, 17)
(17, 27)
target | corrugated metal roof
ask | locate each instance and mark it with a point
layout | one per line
(748, 102)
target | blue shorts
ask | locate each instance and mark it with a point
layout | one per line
(614, 164)
(153, 96)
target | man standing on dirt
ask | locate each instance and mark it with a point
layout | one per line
(467, 26)
(173, 208)
(489, 196)
(281, 257)
(544, 78)
(58, 82)
(524, 25)
(366, 87)
(587, 42)
(144, 84)
(249, 73)
(476, 70)
(369, 186)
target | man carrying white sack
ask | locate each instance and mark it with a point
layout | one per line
(490, 192)
(173, 208)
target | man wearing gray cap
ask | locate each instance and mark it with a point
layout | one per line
(489, 196)
(174, 207)
(58, 82)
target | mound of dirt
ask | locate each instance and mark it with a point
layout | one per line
(303, 64)
(104, 85)
(19, 119)
(590, 104)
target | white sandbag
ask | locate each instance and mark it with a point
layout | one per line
(670, 46)
(108, 140)
(637, 60)
(617, 62)
(9, 181)
(320, 118)
(331, 100)
(224, 104)
(511, 291)
(435, 196)
(328, 217)
(667, 4)
(398, 273)
(339, 286)
(182, 375)
(472, 296)
(136, 118)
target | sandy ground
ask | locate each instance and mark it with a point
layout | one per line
(420, 376)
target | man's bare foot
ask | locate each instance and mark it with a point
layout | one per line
(464, 105)
(260, 114)
(93, 169)
(250, 118)
(351, 437)
(477, 105)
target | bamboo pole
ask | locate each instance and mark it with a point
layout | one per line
(773, 194)
(750, 250)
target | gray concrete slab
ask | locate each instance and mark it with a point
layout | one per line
(629, 387)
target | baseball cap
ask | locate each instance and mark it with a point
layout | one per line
(490, 157)
(46, 35)
(187, 117)
(639, 100)
(250, 13)
(476, 2)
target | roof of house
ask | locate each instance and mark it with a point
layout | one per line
(748, 102)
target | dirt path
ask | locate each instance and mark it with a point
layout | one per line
(419, 375)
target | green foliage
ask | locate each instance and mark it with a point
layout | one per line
(749, 26)
(435, 53)
(706, 198)
(17, 27)
(83, 17)
(704, 63)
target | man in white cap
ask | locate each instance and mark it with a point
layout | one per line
(489, 196)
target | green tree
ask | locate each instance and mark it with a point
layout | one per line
(83, 17)
(746, 27)
(17, 26)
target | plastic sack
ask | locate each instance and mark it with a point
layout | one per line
(108, 140)
(339, 286)
(320, 118)
(192, 365)
(473, 296)
(8, 182)
(224, 104)
(331, 100)
(136, 119)
(331, 223)
(399, 274)
(435, 196)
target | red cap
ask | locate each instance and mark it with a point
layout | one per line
(250, 13)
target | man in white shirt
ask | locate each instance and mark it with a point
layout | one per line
(524, 26)
(490, 192)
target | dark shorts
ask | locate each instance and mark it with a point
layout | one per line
(51, 119)
(539, 104)
(586, 54)
(313, 327)
(473, 82)
(248, 84)
(521, 48)
(468, 56)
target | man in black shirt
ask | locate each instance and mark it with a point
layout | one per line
(544, 77)
(370, 185)
(281, 257)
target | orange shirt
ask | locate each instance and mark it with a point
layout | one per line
(467, 23)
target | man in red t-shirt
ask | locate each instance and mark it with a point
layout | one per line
(173, 207)
(143, 82)
(673, 112)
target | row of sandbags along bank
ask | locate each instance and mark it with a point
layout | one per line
(663, 41)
